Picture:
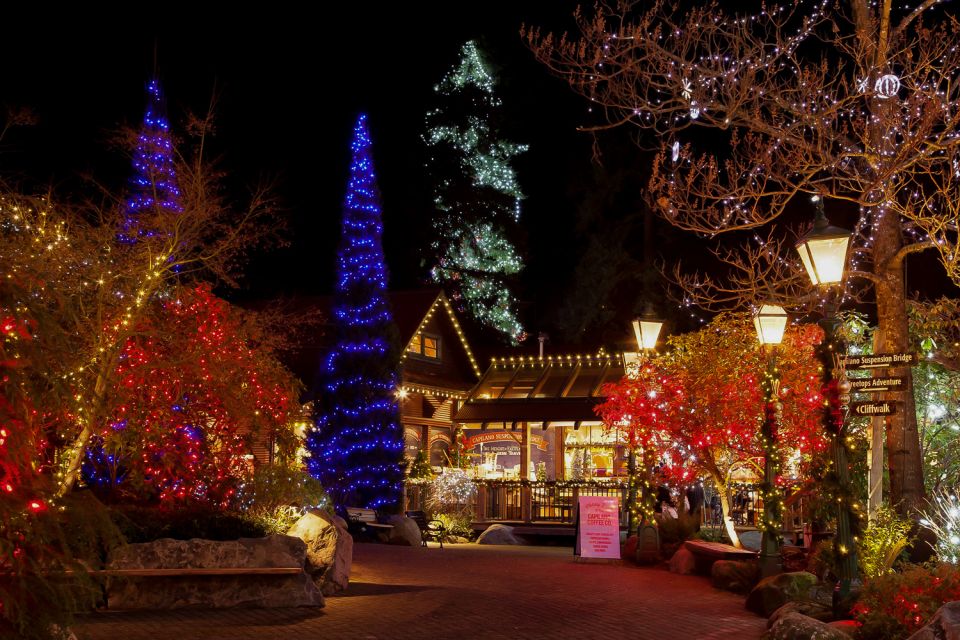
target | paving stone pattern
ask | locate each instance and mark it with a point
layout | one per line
(468, 592)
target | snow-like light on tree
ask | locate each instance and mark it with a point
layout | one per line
(476, 194)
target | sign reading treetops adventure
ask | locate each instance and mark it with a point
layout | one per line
(598, 527)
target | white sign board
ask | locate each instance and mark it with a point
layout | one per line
(598, 527)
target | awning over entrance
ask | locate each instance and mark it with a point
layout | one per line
(510, 411)
(561, 389)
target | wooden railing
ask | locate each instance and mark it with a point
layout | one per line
(546, 501)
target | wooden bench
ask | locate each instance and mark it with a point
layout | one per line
(187, 571)
(365, 521)
(706, 553)
(429, 529)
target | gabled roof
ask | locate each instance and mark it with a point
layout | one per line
(410, 302)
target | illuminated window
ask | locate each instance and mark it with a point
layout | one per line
(431, 347)
(415, 344)
(425, 346)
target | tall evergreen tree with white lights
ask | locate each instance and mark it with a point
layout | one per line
(476, 195)
(357, 445)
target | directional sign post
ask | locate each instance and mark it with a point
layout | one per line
(879, 360)
(882, 408)
(890, 383)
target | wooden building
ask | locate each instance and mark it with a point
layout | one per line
(438, 370)
(535, 441)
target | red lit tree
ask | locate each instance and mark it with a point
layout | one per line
(192, 392)
(639, 407)
(704, 402)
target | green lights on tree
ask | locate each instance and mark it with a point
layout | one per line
(476, 194)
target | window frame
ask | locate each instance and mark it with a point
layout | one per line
(421, 354)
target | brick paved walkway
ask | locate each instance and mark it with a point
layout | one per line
(468, 592)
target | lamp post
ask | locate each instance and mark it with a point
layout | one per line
(823, 252)
(770, 322)
(647, 329)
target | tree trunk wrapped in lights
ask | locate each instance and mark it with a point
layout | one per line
(856, 101)
(99, 270)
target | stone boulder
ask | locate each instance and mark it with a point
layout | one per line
(811, 609)
(944, 625)
(329, 549)
(683, 562)
(498, 534)
(772, 593)
(734, 575)
(405, 532)
(795, 626)
(751, 540)
(212, 591)
(849, 627)
(794, 558)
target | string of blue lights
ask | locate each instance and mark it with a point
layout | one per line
(357, 444)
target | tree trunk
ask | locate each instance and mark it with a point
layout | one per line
(725, 506)
(71, 469)
(904, 460)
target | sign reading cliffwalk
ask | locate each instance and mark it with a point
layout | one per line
(878, 360)
(873, 408)
(598, 527)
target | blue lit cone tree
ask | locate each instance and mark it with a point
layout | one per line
(164, 233)
(357, 445)
(477, 197)
(154, 185)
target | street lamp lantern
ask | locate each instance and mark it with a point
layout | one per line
(823, 250)
(771, 323)
(647, 329)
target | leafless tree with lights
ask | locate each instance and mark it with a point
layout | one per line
(854, 101)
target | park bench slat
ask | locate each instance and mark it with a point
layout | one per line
(193, 571)
(218, 571)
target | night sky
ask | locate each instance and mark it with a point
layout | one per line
(289, 88)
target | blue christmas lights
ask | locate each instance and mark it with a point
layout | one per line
(154, 185)
(356, 446)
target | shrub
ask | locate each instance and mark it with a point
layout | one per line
(943, 519)
(145, 524)
(897, 604)
(883, 543)
(278, 495)
(822, 560)
(420, 468)
(456, 524)
(450, 492)
(718, 534)
(38, 546)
